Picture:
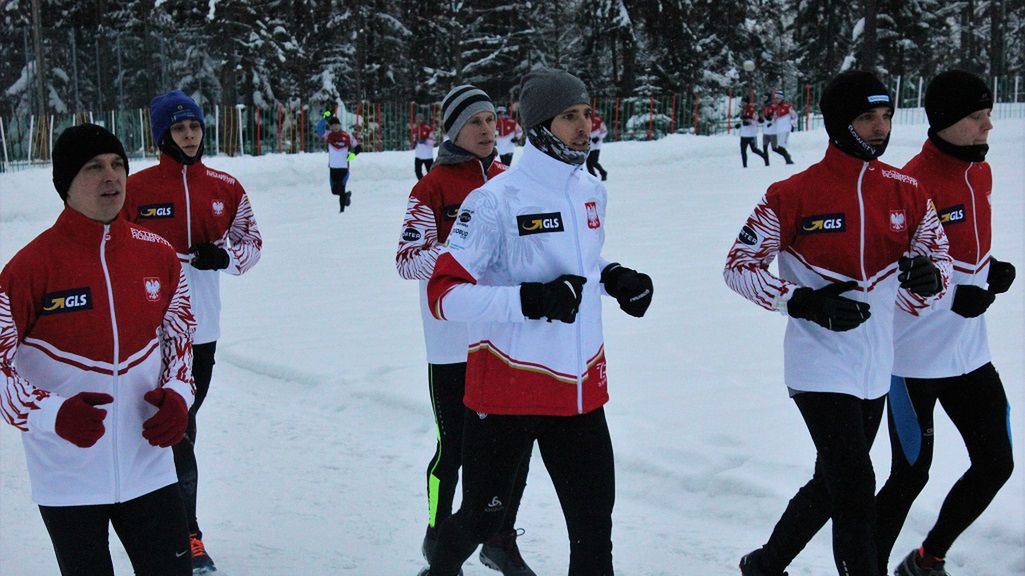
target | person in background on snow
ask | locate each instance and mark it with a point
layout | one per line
(783, 123)
(848, 231)
(748, 130)
(423, 146)
(942, 353)
(598, 133)
(466, 161)
(509, 133)
(767, 120)
(99, 385)
(206, 216)
(341, 149)
(523, 267)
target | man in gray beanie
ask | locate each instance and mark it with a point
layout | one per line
(522, 266)
(460, 104)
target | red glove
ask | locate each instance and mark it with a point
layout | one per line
(78, 419)
(167, 427)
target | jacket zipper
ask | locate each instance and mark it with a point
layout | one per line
(864, 276)
(582, 272)
(117, 360)
(188, 208)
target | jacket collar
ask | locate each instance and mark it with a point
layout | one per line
(171, 167)
(79, 229)
(842, 163)
(934, 155)
(543, 167)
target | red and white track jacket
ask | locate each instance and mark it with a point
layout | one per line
(768, 119)
(841, 219)
(423, 139)
(432, 208)
(598, 130)
(508, 131)
(540, 219)
(189, 205)
(937, 343)
(88, 307)
(338, 145)
(785, 116)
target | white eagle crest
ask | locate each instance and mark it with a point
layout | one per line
(897, 222)
(152, 289)
(218, 207)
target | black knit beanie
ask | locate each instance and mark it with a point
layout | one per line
(78, 145)
(953, 95)
(846, 97)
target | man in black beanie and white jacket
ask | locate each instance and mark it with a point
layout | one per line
(851, 235)
(942, 354)
(523, 268)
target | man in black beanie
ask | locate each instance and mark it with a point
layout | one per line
(851, 234)
(942, 354)
(96, 369)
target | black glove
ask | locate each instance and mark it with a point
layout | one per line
(356, 150)
(209, 256)
(555, 300)
(630, 288)
(919, 275)
(827, 308)
(595, 139)
(971, 301)
(1001, 276)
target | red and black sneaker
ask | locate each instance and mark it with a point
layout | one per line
(201, 561)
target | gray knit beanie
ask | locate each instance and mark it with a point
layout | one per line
(460, 104)
(544, 92)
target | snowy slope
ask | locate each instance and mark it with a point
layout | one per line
(317, 431)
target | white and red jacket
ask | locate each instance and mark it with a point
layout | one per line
(190, 205)
(598, 130)
(841, 219)
(88, 307)
(432, 209)
(338, 145)
(748, 121)
(540, 219)
(508, 132)
(784, 119)
(937, 343)
(768, 119)
(423, 141)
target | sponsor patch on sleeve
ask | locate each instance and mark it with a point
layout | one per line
(748, 236)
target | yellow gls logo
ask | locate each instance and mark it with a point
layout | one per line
(67, 301)
(823, 223)
(528, 224)
(156, 211)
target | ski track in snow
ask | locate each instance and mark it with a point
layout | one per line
(317, 431)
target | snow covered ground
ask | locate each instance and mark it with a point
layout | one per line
(317, 430)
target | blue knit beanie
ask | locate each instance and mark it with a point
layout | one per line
(170, 108)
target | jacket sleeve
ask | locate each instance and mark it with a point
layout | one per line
(176, 342)
(418, 242)
(244, 237)
(22, 405)
(747, 264)
(473, 246)
(929, 240)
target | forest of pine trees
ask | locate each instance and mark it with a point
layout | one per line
(117, 54)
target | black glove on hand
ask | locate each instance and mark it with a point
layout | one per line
(594, 140)
(827, 308)
(555, 300)
(209, 256)
(630, 288)
(971, 301)
(920, 276)
(1001, 276)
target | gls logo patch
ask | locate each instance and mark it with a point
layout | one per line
(823, 223)
(529, 224)
(952, 215)
(67, 301)
(156, 211)
(450, 212)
